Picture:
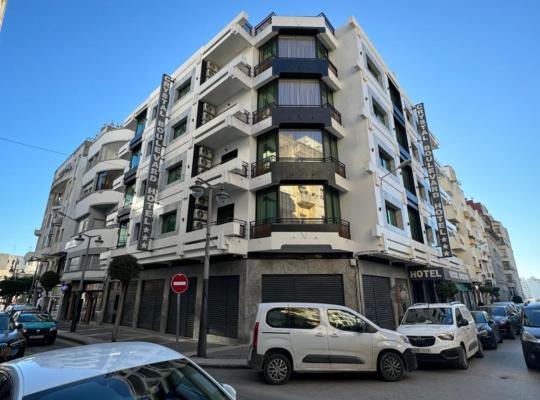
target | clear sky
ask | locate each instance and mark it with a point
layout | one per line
(67, 67)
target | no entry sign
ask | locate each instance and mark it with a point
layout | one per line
(179, 283)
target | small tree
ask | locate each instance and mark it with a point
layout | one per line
(124, 269)
(446, 290)
(48, 281)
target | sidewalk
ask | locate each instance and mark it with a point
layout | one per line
(219, 354)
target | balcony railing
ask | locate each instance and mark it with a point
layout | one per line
(263, 24)
(240, 222)
(267, 63)
(328, 24)
(260, 229)
(244, 171)
(263, 166)
(266, 112)
(241, 115)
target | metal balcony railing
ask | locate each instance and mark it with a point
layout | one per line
(266, 112)
(260, 229)
(263, 24)
(327, 22)
(244, 171)
(267, 63)
(263, 166)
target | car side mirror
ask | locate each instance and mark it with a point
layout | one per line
(18, 327)
(491, 322)
(229, 389)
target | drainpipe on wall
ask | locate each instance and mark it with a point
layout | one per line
(356, 265)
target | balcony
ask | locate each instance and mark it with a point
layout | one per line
(264, 229)
(104, 165)
(233, 174)
(228, 236)
(232, 79)
(230, 125)
(274, 67)
(273, 115)
(97, 198)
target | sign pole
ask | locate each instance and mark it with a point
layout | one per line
(177, 316)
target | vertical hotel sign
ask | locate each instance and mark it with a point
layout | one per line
(429, 161)
(150, 194)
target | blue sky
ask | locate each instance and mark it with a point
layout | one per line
(67, 67)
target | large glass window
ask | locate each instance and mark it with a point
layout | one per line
(174, 173)
(267, 95)
(327, 95)
(297, 47)
(130, 194)
(168, 222)
(267, 205)
(431, 316)
(415, 224)
(140, 123)
(408, 179)
(393, 215)
(135, 158)
(180, 128)
(267, 146)
(109, 151)
(122, 234)
(268, 50)
(299, 92)
(105, 179)
(345, 321)
(183, 90)
(331, 199)
(299, 143)
(301, 201)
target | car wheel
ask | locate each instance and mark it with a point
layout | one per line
(480, 352)
(51, 341)
(391, 367)
(462, 362)
(277, 369)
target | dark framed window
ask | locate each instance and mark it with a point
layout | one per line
(174, 173)
(143, 188)
(105, 179)
(179, 129)
(372, 68)
(401, 134)
(268, 50)
(429, 234)
(225, 214)
(183, 90)
(154, 113)
(327, 94)
(231, 155)
(331, 203)
(136, 231)
(135, 158)
(122, 234)
(130, 194)
(168, 222)
(266, 209)
(149, 147)
(395, 95)
(140, 123)
(386, 160)
(267, 145)
(408, 179)
(415, 224)
(378, 112)
(393, 215)
(267, 95)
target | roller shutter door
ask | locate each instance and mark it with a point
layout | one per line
(187, 310)
(151, 301)
(303, 288)
(378, 300)
(223, 292)
(129, 304)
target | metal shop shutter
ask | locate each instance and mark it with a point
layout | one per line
(129, 304)
(378, 300)
(303, 288)
(151, 301)
(223, 293)
(187, 310)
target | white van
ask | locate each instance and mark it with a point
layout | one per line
(442, 332)
(309, 337)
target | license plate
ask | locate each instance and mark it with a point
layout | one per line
(421, 350)
(37, 336)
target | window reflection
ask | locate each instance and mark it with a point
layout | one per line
(300, 144)
(303, 201)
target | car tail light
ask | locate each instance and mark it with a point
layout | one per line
(255, 337)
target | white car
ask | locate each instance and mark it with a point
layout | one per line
(122, 370)
(442, 332)
(308, 337)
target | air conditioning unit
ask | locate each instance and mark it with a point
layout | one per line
(206, 117)
(205, 152)
(211, 67)
(204, 163)
(209, 109)
(198, 225)
(201, 202)
(199, 213)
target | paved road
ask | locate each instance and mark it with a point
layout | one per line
(39, 347)
(502, 374)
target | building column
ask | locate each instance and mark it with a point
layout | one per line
(164, 307)
(137, 304)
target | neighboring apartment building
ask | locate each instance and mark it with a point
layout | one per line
(531, 288)
(501, 254)
(303, 126)
(3, 6)
(10, 265)
(80, 199)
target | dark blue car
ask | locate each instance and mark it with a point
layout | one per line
(488, 330)
(12, 341)
(508, 320)
(530, 336)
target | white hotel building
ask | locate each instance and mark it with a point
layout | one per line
(303, 126)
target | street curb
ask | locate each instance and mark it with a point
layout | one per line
(75, 338)
(226, 363)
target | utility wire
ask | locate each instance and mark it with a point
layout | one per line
(33, 146)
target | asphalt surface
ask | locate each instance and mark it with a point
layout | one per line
(501, 374)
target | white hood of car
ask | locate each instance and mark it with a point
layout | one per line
(424, 329)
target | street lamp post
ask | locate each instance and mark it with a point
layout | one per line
(33, 289)
(76, 313)
(402, 165)
(198, 190)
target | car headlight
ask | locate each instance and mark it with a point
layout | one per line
(529, 337)
(53, 328)
(483, 333)
(25, 330)
(405, 339)
(446, 336)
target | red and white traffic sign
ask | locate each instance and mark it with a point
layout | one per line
(179, 283)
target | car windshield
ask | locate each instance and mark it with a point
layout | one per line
(435, 316)
(531, 317)
(479, 317)
(4, 322)
(497, 311)
(34, 317)
(171, 380)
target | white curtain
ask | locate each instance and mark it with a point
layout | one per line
(297, 47)
(299, 92)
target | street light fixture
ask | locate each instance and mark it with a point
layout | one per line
(404, 164)
(76, 313)
(198, 190)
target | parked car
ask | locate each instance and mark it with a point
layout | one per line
(308, 337)
(36, 325)
(128, 370)
(442, 332)
(509, 322)
(510, 304)
(530, 335)
(488, 330)
(12, 341)
(13, 308)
